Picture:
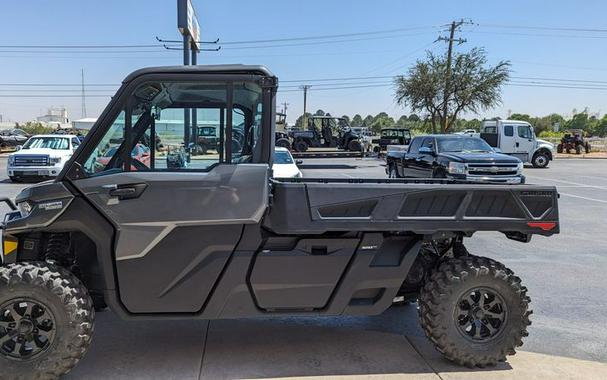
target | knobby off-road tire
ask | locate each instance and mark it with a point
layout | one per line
(49, 311)
(449, 305)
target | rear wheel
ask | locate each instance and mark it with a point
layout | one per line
(474, 310)
(578, 149)
(587, 147)
(300, 146)
(354, 146)
(559, 148)
(46, 321)
(540, 160)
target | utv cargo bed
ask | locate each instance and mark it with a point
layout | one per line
(313, 206)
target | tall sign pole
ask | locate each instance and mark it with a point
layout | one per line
(187, 23)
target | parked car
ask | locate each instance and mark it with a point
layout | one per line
(11, 138)
(458, 157)
(42, 156)
(573, 139)
(469, 132)
(284, 166)
(518, 139)
(140, 157)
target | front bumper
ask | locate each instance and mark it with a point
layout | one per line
(509, 180)
(33, 171)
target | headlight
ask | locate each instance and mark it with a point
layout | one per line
(11, 160)
(55, 160)
(25, 207)
(457, 168)
(520, 167)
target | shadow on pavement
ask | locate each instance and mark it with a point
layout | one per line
(260, 348)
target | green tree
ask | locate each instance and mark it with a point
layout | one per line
(473, 86)
(357, 121)
(368, 121)
(578, 121)
(299, 121)
(35, 128)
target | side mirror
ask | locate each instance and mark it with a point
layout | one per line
(426, 150)
(497, 150)
(298, 162)
(18, 147)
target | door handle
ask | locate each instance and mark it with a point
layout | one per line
(517, 145)
(126, 191)
(122, 192)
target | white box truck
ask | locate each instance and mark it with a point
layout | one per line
(518, 139)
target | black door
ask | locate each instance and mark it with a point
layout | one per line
(178, 217)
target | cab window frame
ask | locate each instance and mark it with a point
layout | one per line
(124, 94)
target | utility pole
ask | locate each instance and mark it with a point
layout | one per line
(455, 25)
(284, 107)
(83, 100)
(305, 89)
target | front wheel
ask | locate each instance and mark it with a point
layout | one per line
(540, 160)
(392, 172)
(46, 321)
(474, 310)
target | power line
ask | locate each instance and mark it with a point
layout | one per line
(80, 46)
(327, 36)
(535, 27)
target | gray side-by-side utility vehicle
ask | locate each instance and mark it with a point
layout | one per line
(215, 236)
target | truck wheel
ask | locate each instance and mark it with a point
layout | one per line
(578, 149)
(354, 146)
(46, 321)
(474, 310)
(13, 179)
(392, 172)
(283, 143)
(540, 160)
(300, 146)
(559, 148)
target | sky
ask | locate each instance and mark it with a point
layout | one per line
(382, 38)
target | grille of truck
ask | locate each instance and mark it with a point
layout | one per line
(32, 160)
(492, 169)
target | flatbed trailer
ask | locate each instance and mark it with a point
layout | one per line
(221, 238)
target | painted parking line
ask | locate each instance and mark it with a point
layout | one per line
(581, 197)
(568, 182)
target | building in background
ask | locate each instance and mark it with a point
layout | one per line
(84, 124)
(55, 117)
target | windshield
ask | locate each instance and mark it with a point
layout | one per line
(59, 143)
(282, 157)
(464, 145)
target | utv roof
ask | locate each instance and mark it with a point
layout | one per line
(212, 69)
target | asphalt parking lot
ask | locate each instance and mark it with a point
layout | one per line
(565, 274)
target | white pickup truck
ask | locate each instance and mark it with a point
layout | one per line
(42, 156)
(517, 138)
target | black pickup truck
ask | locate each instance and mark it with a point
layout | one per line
(458, 157)
(220, 238)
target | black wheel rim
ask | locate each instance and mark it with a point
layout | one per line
(27, 328)
(480, 314)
